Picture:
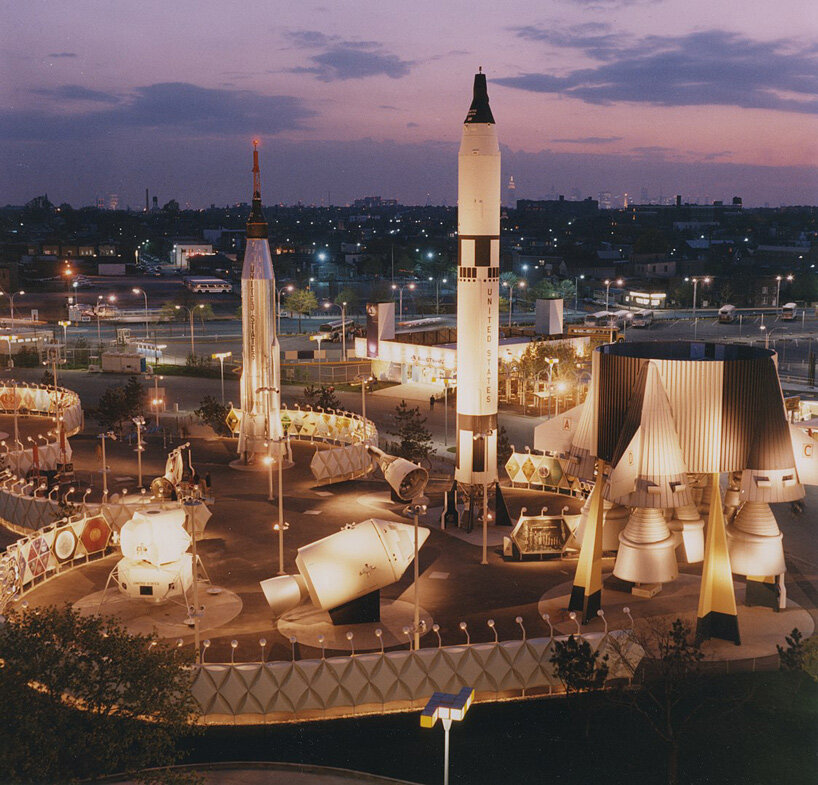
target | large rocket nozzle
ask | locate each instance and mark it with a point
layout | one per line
(407, 479)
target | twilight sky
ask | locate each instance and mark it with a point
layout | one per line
(707, 98)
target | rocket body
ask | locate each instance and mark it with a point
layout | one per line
(478, 293)
(260, 424)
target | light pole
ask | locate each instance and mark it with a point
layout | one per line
(608, 283)
(102, 437)
(437, 291)
(695, 282)
(145, 295)
(190, 314)
(552, 361)
(139, 422)
(778, 280)
(221, 357)
(157, 401)
(288, 288)
(446, 708)
(520, 285)
(11, 296)
(416, 509)
(577, 279)
(65, 325)
(343, 307)
(364, 379)
(399, 289)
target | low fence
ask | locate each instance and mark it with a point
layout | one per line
(252, 692)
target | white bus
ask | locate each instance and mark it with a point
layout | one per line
(788, 312)
(209, 285)
(600, 319)
(643, 318)
(727, 314)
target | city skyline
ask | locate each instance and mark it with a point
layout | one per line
(350, 100)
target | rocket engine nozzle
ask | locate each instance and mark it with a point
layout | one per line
(407, 479)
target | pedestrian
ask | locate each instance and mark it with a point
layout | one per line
(431, 402)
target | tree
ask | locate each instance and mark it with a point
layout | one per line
(322, 397)
(119, 403)
(581, 670)
(800, 655)
(301, 301)
(503, 446)
(86, 698)
(414, 439)
(349, 297)
(213, 413)
(673, 695)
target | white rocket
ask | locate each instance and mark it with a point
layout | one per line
(260, 424)
(478, 292)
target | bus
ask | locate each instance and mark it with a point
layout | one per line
(727, 314)
(600, 319)
(643, 318)
(337, 328)
(788, 312)
(621, 318)
(208, 285)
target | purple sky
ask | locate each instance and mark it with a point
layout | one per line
(353, 97)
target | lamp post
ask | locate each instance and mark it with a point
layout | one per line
(447, 708)
(577, 279)
(190, 314)
(11, 296)
(102, 437)
(139, 422)
(608, 283)
(437, 291)
(778, 280)
(221, 357)
(65, 325)
(695, 282)
(416, 509)
(288, 288)
(520, 285)
(399, 289)
(364, 379)
(145, 295)
(157, 401)
(343, 307)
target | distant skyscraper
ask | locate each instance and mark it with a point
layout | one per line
(113, 201)
(512, 192)
(605, 200)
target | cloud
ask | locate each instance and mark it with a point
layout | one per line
(73, 92)
(63, 54)
(167, 107)
(343, 59)
(589, 140)
(711, 68)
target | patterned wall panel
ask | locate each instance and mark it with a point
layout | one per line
(290, 689)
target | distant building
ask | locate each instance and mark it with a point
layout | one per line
(182, 250)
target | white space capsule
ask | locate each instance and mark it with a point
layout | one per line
(359, 559)
(478, 292)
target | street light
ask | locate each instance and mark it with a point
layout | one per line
(577, 279)
(437, 291)
(520, 285)
(416, 510)
(190, 314)
(137, 290)
(65, 325)
(139, 422)
(400, 289)
(156, 401)
(364, 379)
(446, 708)
(288, 288)
(102, 437)
(695, 282)
(221, 357)
(11, 296)
(608, 283)
(343, 307)
(778, 280)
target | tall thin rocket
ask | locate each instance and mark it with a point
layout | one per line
(260, 377)
(478, 291)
